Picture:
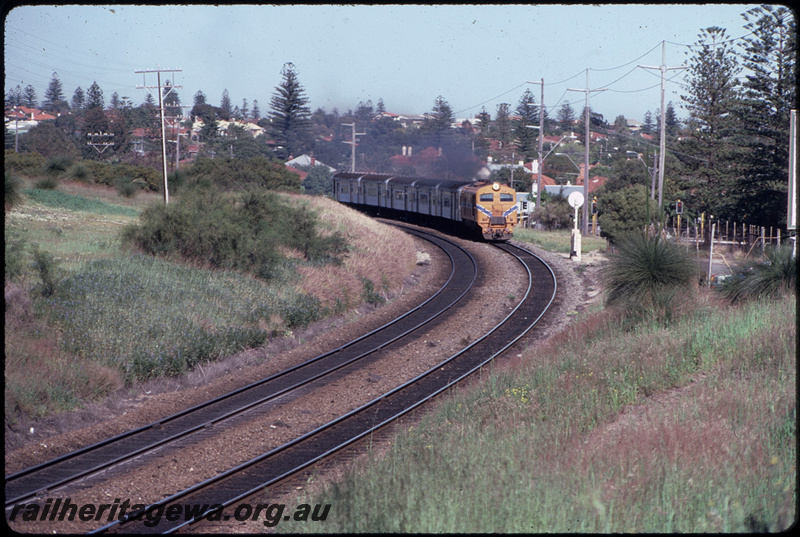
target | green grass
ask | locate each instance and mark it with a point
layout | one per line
(706, 442)
(173, 317)
(55, 198)
(87, 316)
(558, 241)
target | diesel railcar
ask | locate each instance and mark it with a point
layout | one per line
(490, 208)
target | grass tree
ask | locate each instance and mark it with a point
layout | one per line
(769, 277)
(647, 275)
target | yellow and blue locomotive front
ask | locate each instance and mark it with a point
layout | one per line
(493, 209)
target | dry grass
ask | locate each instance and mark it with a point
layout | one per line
(380, 253)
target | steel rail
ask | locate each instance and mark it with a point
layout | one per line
(17, 497)
(209, 483)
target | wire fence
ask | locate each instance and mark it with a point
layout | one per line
(727, 236)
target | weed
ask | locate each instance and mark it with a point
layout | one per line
(368, 294)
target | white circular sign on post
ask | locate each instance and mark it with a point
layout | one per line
(575, 200)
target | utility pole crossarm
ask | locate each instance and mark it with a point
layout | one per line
(662, 134)
(161, 96)
(353, 142)
(587, 91)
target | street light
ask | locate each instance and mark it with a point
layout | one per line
(570, 159)
(652, 175)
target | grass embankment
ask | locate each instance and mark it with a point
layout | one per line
(558, 241)
(88, 315)
(681, 424)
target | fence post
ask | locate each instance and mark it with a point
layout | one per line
(762, 239)
(696, 240)
(710, 255)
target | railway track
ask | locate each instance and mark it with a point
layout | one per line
(233, 485)
(227, 489)
(36, 481)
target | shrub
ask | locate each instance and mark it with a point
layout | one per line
(48, 270)
(48, 182)
(771, 277)
(301, 311)
(13, 191)
(554, 213)
(237, 174)
(126, 186)
(28, 164)
(368, 294)
(14, 257)
(623, 211)
(79, 172)
(236, 231)
(647, 274)
(57, 165)
(107, 174)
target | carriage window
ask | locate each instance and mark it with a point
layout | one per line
(504, 196)
(345, 189)
(423, 198)
(372, 191)
(446, 202)
(487, 197)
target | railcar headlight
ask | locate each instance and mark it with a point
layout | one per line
(495, 186)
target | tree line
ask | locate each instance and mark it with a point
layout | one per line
(729, 157)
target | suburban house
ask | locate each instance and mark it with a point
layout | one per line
(21, 119)
(306, 160)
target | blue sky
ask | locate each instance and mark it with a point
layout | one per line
(474, 56)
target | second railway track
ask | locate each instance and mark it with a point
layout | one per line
(232, 485)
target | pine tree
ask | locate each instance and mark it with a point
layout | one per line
(225, 106)
(256, 113)
(290, 114)
(769, 93)
(565, 117)
(671, 122)
(54, 96)
(171, 100)
(29, 96)
(78, 98)
(199, 98)
(711, 101)
(94, 97)
(438, 121)
(502, 124)
(525, 134)
(14, 97)
(649, 125)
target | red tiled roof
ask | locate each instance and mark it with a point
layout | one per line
(301, 173)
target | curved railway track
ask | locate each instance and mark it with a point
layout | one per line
(229, 488)
(38, 480)
(234, 485)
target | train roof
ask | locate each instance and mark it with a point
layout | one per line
(406, 179)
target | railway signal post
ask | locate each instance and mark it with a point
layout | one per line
(576, 202)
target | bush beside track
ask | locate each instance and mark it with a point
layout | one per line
(90, 314)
